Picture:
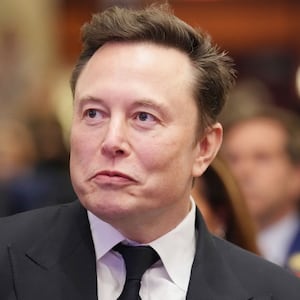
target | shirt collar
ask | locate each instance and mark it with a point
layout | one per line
(105, 237)
(178, 245)
(275, 239)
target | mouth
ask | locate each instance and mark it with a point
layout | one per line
(113, 178)
(114, 174)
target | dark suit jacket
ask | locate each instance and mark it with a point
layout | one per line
(48, 254)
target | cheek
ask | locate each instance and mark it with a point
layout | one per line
(82, 150)
(149, 156)
(276, 175)
(156, 151)
(167, 156)
(273, 185)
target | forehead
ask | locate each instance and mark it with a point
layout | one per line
(137, 70)
(127, 72)
(259, 132)
(139, 58)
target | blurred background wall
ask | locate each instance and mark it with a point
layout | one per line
(28, 55)
(40, 41)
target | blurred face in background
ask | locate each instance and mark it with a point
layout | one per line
(256, 152)
(17, 149)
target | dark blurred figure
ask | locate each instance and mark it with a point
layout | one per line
(222, 205)
(49, 181)
(263, 152)
(17, 156)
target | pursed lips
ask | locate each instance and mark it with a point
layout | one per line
(113, 177)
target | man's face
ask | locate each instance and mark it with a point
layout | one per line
(255, 151)
(133, 141)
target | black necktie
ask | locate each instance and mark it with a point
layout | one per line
(137, 260)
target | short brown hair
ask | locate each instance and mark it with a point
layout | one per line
(214, 73)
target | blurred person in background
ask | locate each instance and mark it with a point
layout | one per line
(222, 205)
(17, 157)
(49, 181)
(263, 152)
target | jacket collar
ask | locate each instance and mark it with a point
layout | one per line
(211, 276)
(63, 256)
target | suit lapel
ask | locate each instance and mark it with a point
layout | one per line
(211, 278)
(61, 264)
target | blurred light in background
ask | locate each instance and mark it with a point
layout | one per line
(298, 82)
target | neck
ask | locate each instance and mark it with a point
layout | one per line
(266, 221)
(145, 230)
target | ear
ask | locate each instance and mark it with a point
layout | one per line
(207, 148)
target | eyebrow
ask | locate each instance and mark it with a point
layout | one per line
(81, 101)
(88, 99)
(144, 102)
(150, 103)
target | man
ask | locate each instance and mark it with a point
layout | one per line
(263, 151)
(147, 90)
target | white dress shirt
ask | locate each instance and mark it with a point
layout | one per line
(167, 279)
(275, 240)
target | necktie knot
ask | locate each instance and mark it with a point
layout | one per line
(137, 260)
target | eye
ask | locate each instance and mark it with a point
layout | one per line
(93, 116)
(144, 116)
(92, 113)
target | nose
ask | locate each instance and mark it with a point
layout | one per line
(244, 170)
(115, 141)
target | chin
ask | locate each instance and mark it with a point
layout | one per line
(108, 209)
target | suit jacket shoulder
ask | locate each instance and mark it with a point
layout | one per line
(47, 254)
(224, 271)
